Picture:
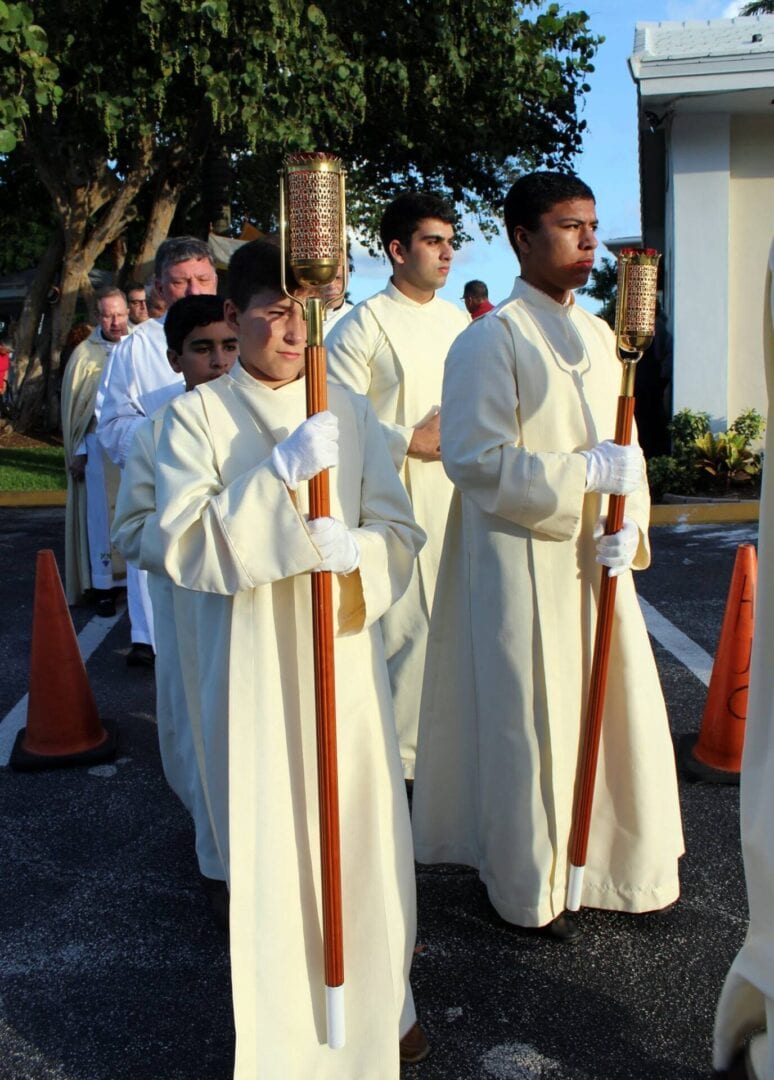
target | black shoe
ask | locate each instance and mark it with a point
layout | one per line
(140, 655)
(563, 929)
(216, 892)
(105, 605)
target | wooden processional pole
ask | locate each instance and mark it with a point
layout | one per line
(313, 236)
(634, 329)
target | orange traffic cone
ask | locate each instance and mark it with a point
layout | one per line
(63, 727)
(716, 755)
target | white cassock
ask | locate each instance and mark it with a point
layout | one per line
(135, 385)
(393, 350)
(228, 526)
(180, 745)
(747, 1000)
(90, 560)
(511, 639)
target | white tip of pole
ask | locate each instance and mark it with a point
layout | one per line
(575, 887)
(334, 1009)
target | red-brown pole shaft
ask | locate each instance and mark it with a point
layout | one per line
(325, 700)
(592, 729)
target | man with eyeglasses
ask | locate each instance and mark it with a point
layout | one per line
(137, 303)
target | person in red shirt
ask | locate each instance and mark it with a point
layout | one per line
(475, 297)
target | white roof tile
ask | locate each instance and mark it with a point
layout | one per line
(708, 38)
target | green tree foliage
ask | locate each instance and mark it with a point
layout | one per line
(604, 287)
(114, 104)
(759, 7)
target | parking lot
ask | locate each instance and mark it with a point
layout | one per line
(111, 967)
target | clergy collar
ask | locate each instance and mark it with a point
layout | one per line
(394, 293)
(522, 290)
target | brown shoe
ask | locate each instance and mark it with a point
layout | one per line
(414, 1046)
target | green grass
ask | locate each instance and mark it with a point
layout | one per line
(38, 468)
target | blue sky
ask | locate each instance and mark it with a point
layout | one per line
(608, 162)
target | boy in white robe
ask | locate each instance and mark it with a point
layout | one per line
(233, 461)
(528, 416)
(392, 348)
(200, 347)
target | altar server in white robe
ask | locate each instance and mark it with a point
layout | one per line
(200, 347)
(232, 465)
(528, 416)
(136, 383)
(392, 348)
(92, 479)
(747, 1001)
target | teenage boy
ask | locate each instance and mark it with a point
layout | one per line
(393, 348)
(234, 458)
(529, 407)
(200, 347)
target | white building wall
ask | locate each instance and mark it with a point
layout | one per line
(699, 218)
(751, 231)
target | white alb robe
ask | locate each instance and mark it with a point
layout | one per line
(747, 1000)
(511, 639)
(227, 525)
(179, 744)
(136, 383)
(393, 350)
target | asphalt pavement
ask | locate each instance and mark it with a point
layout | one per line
(111, 967)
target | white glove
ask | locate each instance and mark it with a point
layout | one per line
(613, 469)
(617, 551)
(338, 547)
(312, 447)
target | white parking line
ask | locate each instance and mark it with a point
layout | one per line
(677, 643)
(90, 638)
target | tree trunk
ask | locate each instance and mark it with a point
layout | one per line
(165, 202)
(32, 337)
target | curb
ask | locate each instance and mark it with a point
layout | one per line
(33, 498)
(709, 513)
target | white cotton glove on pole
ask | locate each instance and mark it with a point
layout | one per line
(338, 547)
(312, 447)
(617, 550)
(613, 469)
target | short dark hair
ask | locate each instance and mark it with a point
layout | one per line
(535, 193)
(476, 289)
(188, 313)
(257, 267)
(402, 217)
(179, 249)
(133, 286)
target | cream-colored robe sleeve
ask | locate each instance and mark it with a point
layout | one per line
(540, 491)
(216, 538)
(388, 535)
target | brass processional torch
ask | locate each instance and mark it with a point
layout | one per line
(635, 319)
(313, 238)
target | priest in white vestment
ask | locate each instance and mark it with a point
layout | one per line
(92, 480)
(392, 348)
(746, 1003)
(136, 382)
(527, 422)
(233, 462)
(201, 347)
